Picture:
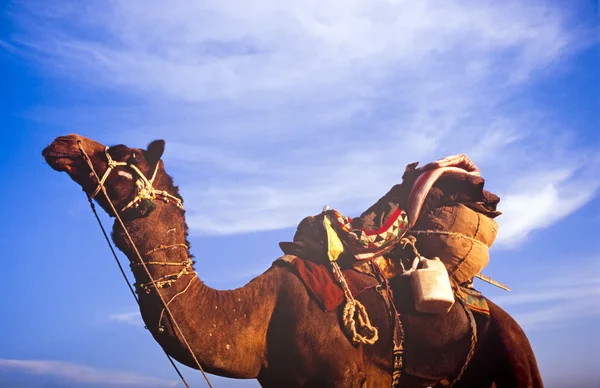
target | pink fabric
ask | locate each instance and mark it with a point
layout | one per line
(430, 173)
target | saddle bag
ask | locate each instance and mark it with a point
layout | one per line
(459, 236)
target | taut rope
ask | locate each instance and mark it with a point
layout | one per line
(129, 285)
(149, 190)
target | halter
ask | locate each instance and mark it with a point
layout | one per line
(146, 192)
(144, 185)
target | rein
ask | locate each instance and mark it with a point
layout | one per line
(146, 191)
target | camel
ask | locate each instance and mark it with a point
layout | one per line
(271, 329)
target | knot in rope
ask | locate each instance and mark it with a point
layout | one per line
(356, 320)
(353, 310)
(361, 331)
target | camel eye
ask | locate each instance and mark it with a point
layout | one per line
(132, 159)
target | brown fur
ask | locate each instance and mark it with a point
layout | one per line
(270, 329)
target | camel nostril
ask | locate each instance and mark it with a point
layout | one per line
(67, 139)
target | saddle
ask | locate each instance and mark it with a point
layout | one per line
(434, 210)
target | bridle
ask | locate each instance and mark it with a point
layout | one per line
(145, 189)
(146, 193)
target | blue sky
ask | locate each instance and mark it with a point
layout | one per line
(269, 113)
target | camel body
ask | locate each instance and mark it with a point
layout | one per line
(271, 329)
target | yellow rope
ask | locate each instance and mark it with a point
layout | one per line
(166, 263)
(164, 281)
(162, 247)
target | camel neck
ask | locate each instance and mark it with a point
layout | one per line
(160, 239)
(212, 322)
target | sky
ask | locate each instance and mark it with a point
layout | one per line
(270, 111)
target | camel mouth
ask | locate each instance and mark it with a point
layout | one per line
(59, 161)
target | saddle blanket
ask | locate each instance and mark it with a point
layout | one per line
(319, 281)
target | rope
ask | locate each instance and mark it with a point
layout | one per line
(144, 185)
(129, 284)
(103, 189)
(164, 281)
(411, 240)
(335, 247)
(452, 272)
(354, 307)
(387, 295)
(164, 263)
(473, 326)
(446, 233)
(162, 312)
(162, 247)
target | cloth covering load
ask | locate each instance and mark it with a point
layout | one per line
(442, 204)
(441, 210)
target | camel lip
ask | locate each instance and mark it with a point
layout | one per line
(57, 160)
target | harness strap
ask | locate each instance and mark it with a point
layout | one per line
(386, 293)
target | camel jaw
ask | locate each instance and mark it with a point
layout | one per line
(57, 160)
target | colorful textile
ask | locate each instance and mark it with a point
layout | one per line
(377, 231)
(429, 174)
(367, 244)
(319, 281)
(312, 242)
(474, 299)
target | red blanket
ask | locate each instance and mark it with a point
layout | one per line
(319, 281)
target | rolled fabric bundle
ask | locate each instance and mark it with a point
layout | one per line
(453, 216)
(461, 219)
(459, 236)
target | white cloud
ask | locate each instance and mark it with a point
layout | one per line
(82, 373)
(541, 199)
(271, 111)
(217, 50)
(131, 318)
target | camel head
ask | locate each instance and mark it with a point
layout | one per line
(127, 172)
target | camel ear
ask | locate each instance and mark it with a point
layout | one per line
(155, 151)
